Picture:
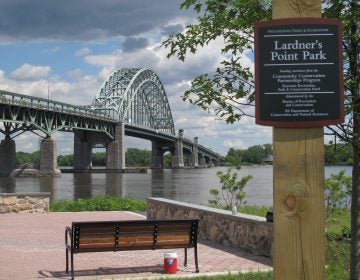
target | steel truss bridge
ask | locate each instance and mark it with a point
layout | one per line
(132, 101)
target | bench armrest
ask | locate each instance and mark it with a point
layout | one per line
(68, 234)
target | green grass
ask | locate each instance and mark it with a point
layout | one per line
(235, 276)
(99, 203)
(337, 224)
(337, 232)
(337, 259)
(254, 210)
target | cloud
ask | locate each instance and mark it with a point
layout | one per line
(237, 144)
(172, 29)
(131, 44)
(119, 59)
(171, 70)
(30, 72)
(83, 52)
(83, 19)
(53, 50)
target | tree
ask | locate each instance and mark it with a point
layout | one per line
(234, 157)
(337, 154)
(65, 160)
(232, 190)
(349, 132)
(229, 90)
(26, 158)
(137, 157)
(167, 160)
(254, 154)
(98, 159)
(338, 188)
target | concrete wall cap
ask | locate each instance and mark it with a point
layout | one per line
(208, 209)
(26, 194)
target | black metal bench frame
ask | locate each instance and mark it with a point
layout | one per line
(102, 236)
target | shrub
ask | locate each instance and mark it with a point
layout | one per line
(232, 190)
(99, 203)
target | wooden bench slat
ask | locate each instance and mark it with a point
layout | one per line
(134, 232)
(109, 246)
(101, 236)
(86, 240)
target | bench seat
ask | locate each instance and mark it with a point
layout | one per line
(104, 236)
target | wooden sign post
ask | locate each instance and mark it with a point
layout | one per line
(299, 202)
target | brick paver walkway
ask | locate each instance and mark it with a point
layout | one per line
(32, 247)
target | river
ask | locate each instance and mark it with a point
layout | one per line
(187, 185)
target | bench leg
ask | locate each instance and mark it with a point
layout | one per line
(67, 260)
(72, 266)
(185, 258)
(196, 259)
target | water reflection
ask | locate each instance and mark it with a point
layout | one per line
(114, 184)
(7, 184)
(83, 185)
(48, 184)
(162, 184)
(188, 185)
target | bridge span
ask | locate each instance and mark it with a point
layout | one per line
(132, 102)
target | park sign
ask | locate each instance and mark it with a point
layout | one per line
(298, 73)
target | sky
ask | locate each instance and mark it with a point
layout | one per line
(71, 47)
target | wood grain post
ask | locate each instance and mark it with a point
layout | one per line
(299, 204)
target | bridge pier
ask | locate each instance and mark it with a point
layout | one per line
(8, 156)
(115, 151)
(82, 151)
(48, 159)
(202, 162)
(178, 156)
(157, 155)
(195, 154)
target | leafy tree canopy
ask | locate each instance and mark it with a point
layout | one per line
(253, 155)
(231, 86)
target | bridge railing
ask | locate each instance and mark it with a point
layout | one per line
(7, 97)
(203, 148)
(153, 130)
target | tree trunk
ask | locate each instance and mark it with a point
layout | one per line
(354, 81)
(355, 220)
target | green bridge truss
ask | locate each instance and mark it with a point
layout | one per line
(137, 97)
(132, 96)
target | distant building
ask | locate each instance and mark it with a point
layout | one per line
(268, 159)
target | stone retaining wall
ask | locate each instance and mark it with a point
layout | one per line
(24, 202)
(248, 232)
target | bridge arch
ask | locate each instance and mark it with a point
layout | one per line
(136, 96)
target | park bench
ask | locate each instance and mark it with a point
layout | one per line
(102, 236)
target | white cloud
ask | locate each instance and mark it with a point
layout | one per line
(53, 50)
(83, 52)
(30, 72)
(234, 143)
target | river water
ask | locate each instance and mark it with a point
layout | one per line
(187, 185)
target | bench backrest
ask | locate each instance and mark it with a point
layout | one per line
(134, 235)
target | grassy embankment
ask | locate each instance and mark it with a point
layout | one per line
(337, 233)
(99, 204)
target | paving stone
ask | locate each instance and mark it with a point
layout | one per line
(32, 247)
